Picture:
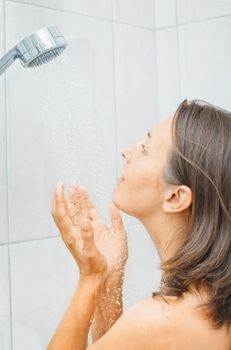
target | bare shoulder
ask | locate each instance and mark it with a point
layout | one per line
(143, 326)
(157, 324)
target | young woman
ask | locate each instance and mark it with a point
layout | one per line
(177, 182)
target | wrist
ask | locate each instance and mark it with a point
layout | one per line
(93, 280)
(113, 276)
(110, 289)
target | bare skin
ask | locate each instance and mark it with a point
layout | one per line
(163, 209)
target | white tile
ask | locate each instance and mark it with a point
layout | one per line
(194, 10)
(138, 12)
(167, 72)
(3, 170)
(165, 13)
(142, 274)
(205, 56)
(98, 8)
(61, 119)
(5, 342)
(2, 23)
(3, 174)
(42, 293)
(135, 86)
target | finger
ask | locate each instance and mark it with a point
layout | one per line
(59, 200)
(87, 203)
(53, 212)
(83, 206)
(70, 208)
(93, 214)
(73, 195)
(61, 209)
(87, 236)
(53, 207)
(116, 220)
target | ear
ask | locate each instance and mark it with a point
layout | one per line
(177, 199)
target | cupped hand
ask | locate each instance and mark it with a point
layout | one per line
(80, 238)
(111, 241)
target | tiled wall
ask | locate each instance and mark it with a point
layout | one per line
(127, 66)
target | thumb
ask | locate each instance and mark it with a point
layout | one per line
(87, 235)
(116, 220)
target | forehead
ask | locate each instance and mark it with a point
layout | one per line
(161, 133)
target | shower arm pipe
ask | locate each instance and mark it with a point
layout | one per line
(8, 59)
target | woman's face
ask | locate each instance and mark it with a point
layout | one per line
(140, 194)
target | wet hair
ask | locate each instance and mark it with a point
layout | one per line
(200, 158)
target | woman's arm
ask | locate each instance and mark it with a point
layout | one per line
(113, 243)
(109, 304)
(79, 236)
(73, 329)
(141, 327)
(72, 332)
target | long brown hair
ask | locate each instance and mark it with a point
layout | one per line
(201, 159)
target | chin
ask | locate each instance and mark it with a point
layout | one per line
(120, 203)
(117, 200)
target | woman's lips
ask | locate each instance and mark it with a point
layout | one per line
(121, 179)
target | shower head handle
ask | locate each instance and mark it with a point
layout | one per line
(36, 49)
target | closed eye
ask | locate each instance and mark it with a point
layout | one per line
(143, 148)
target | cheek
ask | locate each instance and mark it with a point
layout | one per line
(141, 180)
(138, 194)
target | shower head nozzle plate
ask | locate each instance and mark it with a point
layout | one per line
(41, 47)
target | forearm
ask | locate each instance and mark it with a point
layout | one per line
(72, 332)
(109, 305)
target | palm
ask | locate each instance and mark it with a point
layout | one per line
(79, 239)
(112, 242)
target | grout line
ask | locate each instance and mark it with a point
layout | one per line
(183, 24)
(81, 14)
(7, 192)
(133, 25)
(58, 9)
(112, 10)
(165, 27)
(116, 21)
(114, 96)
(202, 20)
(156, 66)
(34, 239)
(178, 53)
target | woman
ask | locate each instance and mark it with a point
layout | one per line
(176, 181)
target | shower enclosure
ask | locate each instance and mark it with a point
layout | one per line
(127, 66)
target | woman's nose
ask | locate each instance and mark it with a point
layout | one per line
(126, 153)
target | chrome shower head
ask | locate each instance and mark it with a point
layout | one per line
(36, 49)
